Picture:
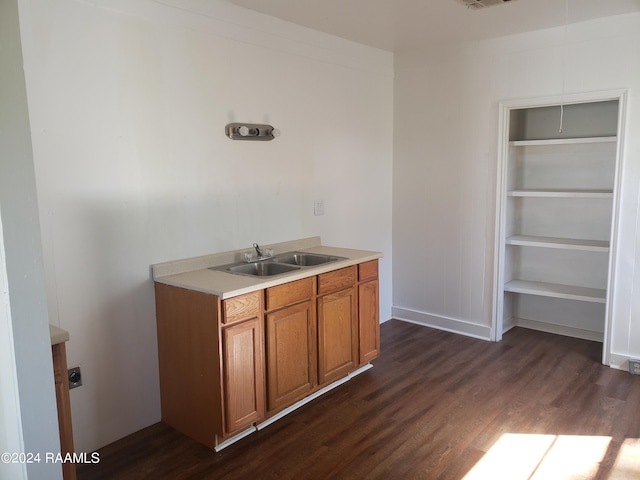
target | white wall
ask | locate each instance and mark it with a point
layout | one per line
(10, 419)
(128, 102)
(445, 157)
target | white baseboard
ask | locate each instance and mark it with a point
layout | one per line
(453, 325)
(235, 438)
(559, 329)
(313, 396)
(619, 362)
(288, 410)
(507, 325)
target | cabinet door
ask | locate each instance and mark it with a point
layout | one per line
(243, 374)
(368, 321)
(291, 354)
(337, 335)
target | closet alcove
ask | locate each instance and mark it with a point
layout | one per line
(558, 180)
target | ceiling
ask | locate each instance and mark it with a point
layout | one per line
(399, 25)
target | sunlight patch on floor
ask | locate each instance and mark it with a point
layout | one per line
(529, 456)
(627, 464)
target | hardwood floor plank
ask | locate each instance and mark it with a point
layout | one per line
(432, 407)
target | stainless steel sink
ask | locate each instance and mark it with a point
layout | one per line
(284, 263)
(306, 259)
(262, 269)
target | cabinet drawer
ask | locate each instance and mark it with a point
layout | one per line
(336, 280)
(242, 307)
(368, 270)
(290, 293)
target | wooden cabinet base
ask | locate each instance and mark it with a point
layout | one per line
(337, 335)
(189, 358)
(59, 352)
(243, 361)
(228, 367)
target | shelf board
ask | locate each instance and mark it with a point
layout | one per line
(560, 243)
(556, 291)
(563, 141)
(561, 193)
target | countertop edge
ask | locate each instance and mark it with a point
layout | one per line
(206, 261)
(227, 285)
(57, 335)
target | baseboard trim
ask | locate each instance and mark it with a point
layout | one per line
(235, 438)
(311, 397)
(442, 323)
(558, 329)
(619, 362)
(291, 408)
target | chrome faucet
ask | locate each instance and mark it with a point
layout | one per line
(260, 254)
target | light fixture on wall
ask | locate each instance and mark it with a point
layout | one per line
(251, 131)
(477, 4)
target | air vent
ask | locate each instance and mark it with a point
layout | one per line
(477, 4)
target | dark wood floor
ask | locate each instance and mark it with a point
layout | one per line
(432, 406)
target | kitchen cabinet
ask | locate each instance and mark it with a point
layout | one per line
(291, 354)
(211, 365)
(291, 344)
(368, 312)
(313, 340)
(243, 362)
(337, 324)
(228, 365)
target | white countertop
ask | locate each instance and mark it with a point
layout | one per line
(58, 335)
(200, 278)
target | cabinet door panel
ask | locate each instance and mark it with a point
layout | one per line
(337, 335)
(368, 321)
(291, 354)
(243, 374)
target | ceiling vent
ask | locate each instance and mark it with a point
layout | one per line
(477, 4)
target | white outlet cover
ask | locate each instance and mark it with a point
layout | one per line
(318, 207)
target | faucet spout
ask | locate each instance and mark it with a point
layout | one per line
(258, 250)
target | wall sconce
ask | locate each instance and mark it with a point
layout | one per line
(251, 131)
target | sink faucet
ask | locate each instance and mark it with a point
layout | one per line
(260, 254)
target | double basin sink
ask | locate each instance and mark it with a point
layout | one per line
(284, 263)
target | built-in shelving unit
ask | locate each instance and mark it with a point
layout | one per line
(557, 203)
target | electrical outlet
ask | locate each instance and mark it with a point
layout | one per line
(75, 377)
(318, 207)
(634, 367)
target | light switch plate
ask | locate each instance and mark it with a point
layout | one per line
(318, 207)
